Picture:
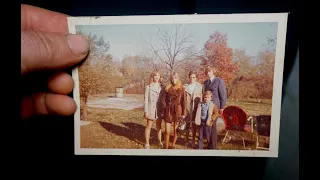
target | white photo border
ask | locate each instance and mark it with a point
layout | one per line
(280, 18)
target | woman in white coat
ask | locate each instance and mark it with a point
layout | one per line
(152, 106)
(194, 91)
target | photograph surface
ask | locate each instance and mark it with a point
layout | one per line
(205, 85)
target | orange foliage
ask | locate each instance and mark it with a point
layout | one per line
(219, 55)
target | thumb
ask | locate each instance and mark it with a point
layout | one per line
(51, 51)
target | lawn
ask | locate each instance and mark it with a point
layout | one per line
(116, 128)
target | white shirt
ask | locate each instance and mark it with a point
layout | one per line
(211, 79)
(192, 87)
(156, 85)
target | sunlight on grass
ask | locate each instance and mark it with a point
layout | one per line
(116, 128)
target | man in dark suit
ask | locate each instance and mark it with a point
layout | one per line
(219, 97)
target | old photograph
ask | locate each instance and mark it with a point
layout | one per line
(183, 85)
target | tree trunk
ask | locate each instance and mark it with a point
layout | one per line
(83, 109)
(229, 91)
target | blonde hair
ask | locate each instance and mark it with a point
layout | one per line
(152, 76)
(178, 85)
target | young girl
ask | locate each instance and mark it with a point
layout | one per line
(206, 114)
(152, 106)
(174, 108)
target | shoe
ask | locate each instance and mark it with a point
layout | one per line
(161, 145)
(186, 144)
(147, 146)
(193, 145)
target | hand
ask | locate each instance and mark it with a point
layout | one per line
(46, 45)
(221, 111)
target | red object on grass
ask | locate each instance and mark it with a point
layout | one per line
(235, 118)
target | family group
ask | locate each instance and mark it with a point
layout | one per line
(198, 104)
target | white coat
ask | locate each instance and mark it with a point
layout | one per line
(152, 103)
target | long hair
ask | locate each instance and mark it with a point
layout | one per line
(170, 83)
(153, 74)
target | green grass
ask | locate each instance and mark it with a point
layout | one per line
(253, 108)
(115, 128)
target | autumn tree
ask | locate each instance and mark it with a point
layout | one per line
(190, 64)
(241, 86)
(136, 70)
(265, 74)
(245, 63)
(92, 72)
(255, 80)
(174, 45)
(218, 54)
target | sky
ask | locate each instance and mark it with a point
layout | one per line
(129, 39)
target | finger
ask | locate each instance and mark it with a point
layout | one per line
(39, 19)
(60, 83)
(50, 51)
(47, 104)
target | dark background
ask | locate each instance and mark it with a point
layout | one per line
(51, 139)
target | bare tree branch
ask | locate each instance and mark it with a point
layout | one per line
(173, 44)
(156, 53)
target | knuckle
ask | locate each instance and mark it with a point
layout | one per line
(39, 102)
(49, 48)
(46, 45)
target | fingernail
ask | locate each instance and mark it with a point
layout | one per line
(78, 44)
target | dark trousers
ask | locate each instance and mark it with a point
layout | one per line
(204, 132)
(214, 136)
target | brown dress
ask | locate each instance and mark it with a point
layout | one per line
(173, 103)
